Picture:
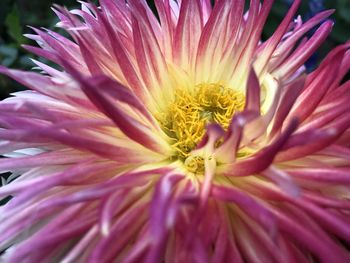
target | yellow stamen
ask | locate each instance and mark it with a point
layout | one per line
(195, 164)
(187, 116)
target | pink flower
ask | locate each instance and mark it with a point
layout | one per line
(187, 139)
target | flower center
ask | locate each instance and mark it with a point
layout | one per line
(190, 112)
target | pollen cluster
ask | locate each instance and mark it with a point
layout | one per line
(191, 110)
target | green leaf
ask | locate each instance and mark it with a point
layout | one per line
(8, 55)
(279, 9)
(343, 9)
(14, 27)
(340, 32)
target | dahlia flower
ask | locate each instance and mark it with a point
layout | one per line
(181, 137)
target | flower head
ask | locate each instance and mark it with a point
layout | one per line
(183, 139)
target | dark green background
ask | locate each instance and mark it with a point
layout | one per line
(15, 15)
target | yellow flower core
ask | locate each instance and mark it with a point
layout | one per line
(191, 110)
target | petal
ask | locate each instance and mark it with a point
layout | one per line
(131, 127)
(253, 208)
(253, 93)
(275, 39)
(260, 160)
(187, 34)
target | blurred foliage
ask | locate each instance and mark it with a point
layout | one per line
(15, 15)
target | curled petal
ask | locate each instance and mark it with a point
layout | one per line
(253, 93)
(227, 151)
(262, 159)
